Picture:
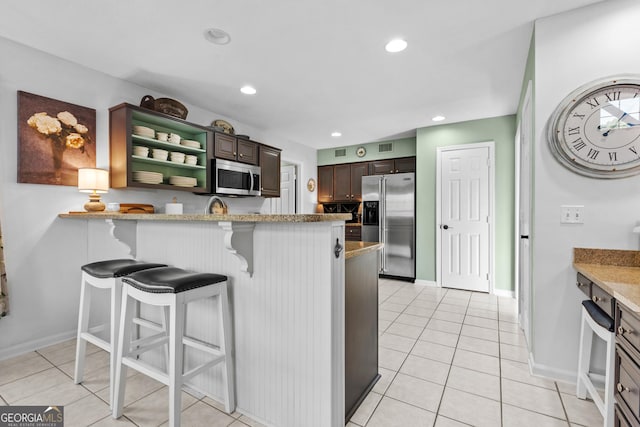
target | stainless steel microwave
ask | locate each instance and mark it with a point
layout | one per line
(237, 179)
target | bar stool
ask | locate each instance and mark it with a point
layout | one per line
(103, 275)
(173, 288)
(600, 323)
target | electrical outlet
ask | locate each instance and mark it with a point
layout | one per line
(571, 214)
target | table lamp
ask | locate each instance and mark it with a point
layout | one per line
(95, 182)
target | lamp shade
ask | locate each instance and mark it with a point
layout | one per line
(93, 180)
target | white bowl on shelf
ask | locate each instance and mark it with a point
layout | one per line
(140, 151)
(159, 154)
(177, 157)
(191, 160)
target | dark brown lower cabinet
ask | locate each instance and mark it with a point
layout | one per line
(627, 368)
(361, 329)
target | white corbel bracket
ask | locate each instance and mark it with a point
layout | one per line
(238, 240)
(124, 232)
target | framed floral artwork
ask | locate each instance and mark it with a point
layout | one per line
(55, 138)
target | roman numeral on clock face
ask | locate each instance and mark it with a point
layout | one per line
(593, 103)
(574, 131)
(593, 154)
(613, 156)
(633, 150)
(613, 96)
(579, 116)
(578, 144)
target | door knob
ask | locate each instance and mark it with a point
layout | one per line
(446, 227)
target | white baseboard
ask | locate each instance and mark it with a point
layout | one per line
(29, 346)
(504, 293)
(426, 283)
(541, 370)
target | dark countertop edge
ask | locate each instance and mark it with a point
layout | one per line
(211, 217)
(621, 282)
(354, 249)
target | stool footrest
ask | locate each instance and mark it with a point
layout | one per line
(148, 324)
(148, 343)
(202, 346)
(592, 392)
(99, 342)
(195, 371)
(146, 369)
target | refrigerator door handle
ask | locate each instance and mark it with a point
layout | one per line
(382, 217)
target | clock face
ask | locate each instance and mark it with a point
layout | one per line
(596, 131)
(360, 151)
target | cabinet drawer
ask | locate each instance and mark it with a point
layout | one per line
(584, 285)
(622, 418)
(627, 382)
(353, 233)
(627, 327)
(603, 300)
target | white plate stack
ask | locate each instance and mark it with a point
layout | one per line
(191, 160)
(144, 131)
(147, 177)
(177, 157)
(183, 181)
(190, 143)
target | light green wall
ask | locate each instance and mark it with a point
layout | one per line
(501, 130)
(405, 147)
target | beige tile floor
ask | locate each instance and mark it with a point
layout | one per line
(447, 358)
(456, 358)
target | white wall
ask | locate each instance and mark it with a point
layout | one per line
(573, 49)
(43, 253)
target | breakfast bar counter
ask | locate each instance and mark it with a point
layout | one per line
(287, 290)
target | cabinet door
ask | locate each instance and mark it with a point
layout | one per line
(342, 183)
(247, 151)
(225, 146)
(270, 171)
(407, 164)
(381, 167)
(325, 184)
(358, 170)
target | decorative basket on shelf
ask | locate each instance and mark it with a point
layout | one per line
(165, 105)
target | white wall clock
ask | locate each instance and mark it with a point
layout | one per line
(595, 131)
(361, 151)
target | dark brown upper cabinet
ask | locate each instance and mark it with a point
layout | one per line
(237, 149)
(270, 171)
(325, 184)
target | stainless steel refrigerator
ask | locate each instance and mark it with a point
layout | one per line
(388, 216)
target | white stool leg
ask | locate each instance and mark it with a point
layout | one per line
(176, 330)
(116, 301)
(83, 326)
(166, 315)
(584, 358)
(124, 343)
(609, 380)
(226, 347)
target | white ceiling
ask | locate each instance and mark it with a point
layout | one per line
(318, 66)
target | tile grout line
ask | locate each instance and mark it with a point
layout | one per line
(566, 414)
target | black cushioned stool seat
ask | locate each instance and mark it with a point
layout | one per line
(117, 267)
(171, 280)
(598, 315)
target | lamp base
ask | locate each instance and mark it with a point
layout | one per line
(94, 204)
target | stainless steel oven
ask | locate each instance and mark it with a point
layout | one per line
(235, 178)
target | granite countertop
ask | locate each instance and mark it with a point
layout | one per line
(616, 271)
(210, 217)
(354, 249)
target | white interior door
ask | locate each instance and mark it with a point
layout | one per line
(464, 221)
(286, 203)
(524, 216)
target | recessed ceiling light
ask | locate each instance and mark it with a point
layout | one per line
(438, 118)
(396, 45)
(217, 36)
(248, 90)
(336, 134)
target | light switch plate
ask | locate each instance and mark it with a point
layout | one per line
(571, 214)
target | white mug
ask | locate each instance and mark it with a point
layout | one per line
(113, 207)
(175, 138)
(162, 136)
